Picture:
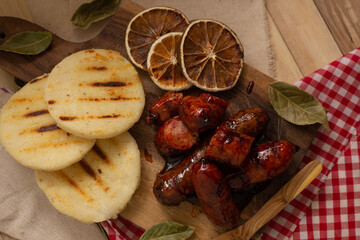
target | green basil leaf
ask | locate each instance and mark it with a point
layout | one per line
(94, 11)
(168, 231)
(28, 43)
(296, 105)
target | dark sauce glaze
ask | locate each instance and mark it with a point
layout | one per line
(250, 87)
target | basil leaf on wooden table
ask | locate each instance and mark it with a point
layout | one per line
(94, 11)
(28, 43)
(296, 105)
(168, 231)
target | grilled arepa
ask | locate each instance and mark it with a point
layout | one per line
(30, 134)
(99, 186)
(95, 94)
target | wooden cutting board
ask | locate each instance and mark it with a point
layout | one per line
(143, 209)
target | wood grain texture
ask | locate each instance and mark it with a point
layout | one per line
(343, 19)
(144, 209)
(16, 8)
(306, 35)
(286, 68)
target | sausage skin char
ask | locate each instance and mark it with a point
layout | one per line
(250, 121)
(214, 194)
(203, 112)
(229, 147)
(174, 186)
(264, 162)
(164, 108)
(232, 141)
(174, 137)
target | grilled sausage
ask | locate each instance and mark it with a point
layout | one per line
(250, 121)
(174, 137)
(174, 186)
(214, 194)
(164, 108)
(263, 162)
(229, 147)
(232, 141)
(203, 112)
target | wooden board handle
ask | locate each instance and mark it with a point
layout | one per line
(275, 204)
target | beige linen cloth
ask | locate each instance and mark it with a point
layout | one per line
(25, 212)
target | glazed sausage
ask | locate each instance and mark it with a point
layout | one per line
(174, 186)
(164, 108)
(229, 147)
(203, 112)
(214, 194)
(174, 137)
(250, 121)
(232, 141)
(263, 162)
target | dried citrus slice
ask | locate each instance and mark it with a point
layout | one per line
(211, 56)
(162, 63)
(146, 27)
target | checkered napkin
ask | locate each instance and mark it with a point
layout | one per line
(335, 211)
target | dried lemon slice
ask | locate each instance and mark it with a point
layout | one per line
(211, 56)
(146, 27)
(163, 66)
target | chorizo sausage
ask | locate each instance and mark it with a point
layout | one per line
(229, 147)
(250, 121)
(203, 112)
(164, 108)
(232, 141)
(174, 137)
(264, 162)
(214, 194)
(174, 186)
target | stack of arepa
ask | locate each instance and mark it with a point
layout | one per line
(70, 126)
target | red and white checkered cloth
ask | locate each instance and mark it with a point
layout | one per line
(335, 210)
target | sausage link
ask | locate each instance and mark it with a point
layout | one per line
(232, 141)
(264, 162)
(174, 137)
(250, 121)
(164, 108)
(175, 185)
(203, 112)
(229, 147)
(214, 194)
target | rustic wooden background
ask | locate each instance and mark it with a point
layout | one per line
(305, 34)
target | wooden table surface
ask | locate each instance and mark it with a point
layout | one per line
(305, 34)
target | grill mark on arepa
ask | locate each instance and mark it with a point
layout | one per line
(87, 168)
(66, 118)
(48, 128)
(101, 154)
(108, 99)
(75, 185)
(38, 79)
(52, 145)
(36, 113)
(25, 99)
(109, 84)
(51, 102)
(94, 68)
(70, 118)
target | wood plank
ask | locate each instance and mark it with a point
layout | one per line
(304, 32)
(15, 8)
(343, 19)
(287, 69)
